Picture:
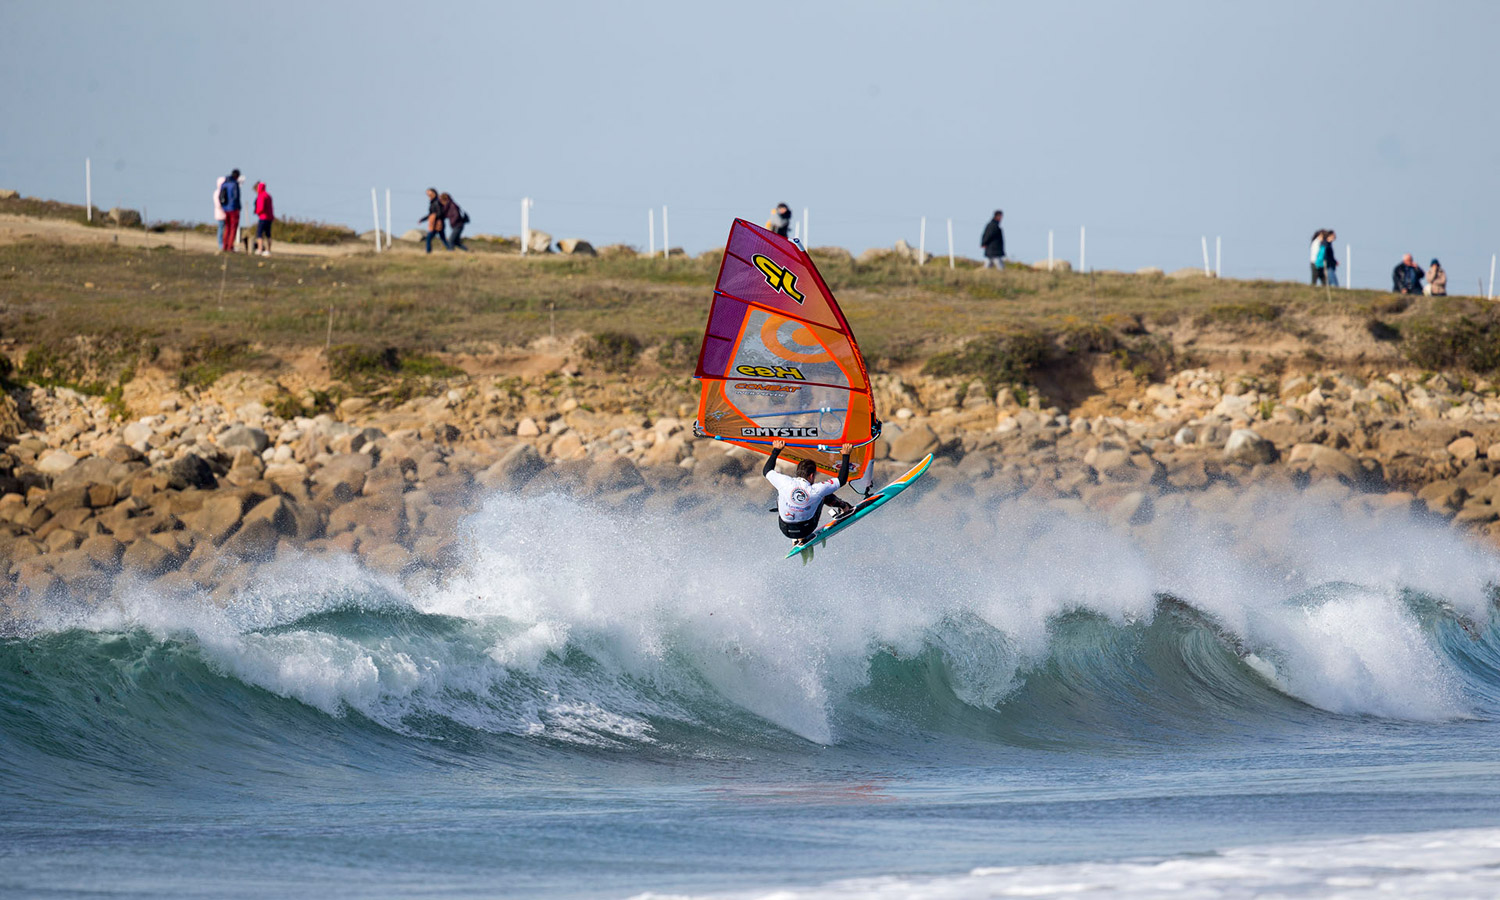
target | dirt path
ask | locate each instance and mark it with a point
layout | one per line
(14, 229)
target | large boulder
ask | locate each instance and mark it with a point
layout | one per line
(238, 436)
(514, 470)
(914, 442)
(539, 242)
(54, 462)
(576, 247)
(1245, 446)
(190, 471)
(125, 218)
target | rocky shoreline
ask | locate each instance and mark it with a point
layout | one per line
(212, 484)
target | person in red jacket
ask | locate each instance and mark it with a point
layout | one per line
(265, 214)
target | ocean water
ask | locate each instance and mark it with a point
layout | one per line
(961, 699)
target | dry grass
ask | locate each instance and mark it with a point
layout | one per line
(448, 303)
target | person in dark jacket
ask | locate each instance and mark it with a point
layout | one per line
(1406, 278)
(457, 219)
(229, 201)
(993, 242)
(436, 214)
(780, 221)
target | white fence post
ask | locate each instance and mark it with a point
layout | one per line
(666, 239)
(1206, 272)
(951, 264)
(88, 188)
(806, 239)
(1049, 249)
(922, 242)
(375, 205)
(525, 225)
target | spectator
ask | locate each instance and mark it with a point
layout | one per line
(1406, 278)
(229, 199)
(1330, 265)
(219, 210)
(457, 219)
(781, 220)
(1437, 280)
(434, 219)
(993, 242)
(265, 214)
(1315, 256)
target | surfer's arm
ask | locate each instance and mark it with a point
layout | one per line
(771, 460)
(843, 475)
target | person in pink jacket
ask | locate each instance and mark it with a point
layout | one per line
(219, 214)
(265, 214)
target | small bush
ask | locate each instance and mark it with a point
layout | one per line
(210, 359)
(1252, 311)
(1463, 343)
(613, 351)
(352, 362)
(996, 359)
(678, 351)
(302, 231)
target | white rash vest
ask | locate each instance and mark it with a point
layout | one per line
(796, 499)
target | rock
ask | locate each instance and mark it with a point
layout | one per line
(12, 425)
(1443, 498)
(390, 559)
(189, 471)
(914, 442)
(125, 218)
(148, 558)
(1185, 436)
(527, 428)
(1245, 446)
(254, 540)
(1150, 272)
(244, 436)
(906, 251)
(611, 474)
(278, 512)
(1327, 460)
(137, 433)
(54, 461)
(217, 518)
(539, 242)
(1058, 265)
(414, 235)
(103, 550)
(9, 194)
(1188, 273)
(1464, 450)
(576, 247)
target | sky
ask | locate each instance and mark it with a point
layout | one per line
(1152, 125)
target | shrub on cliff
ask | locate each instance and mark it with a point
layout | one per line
(1467, 342)
(996, 359)
(613, 351)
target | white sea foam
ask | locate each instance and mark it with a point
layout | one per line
(1441, 864)
(664, 608)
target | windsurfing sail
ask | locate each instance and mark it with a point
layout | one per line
(779, 360)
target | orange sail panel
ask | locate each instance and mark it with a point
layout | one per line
(778, 359)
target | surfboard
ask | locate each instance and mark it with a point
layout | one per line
(863, 509)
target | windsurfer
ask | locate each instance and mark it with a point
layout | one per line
(799, 502)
